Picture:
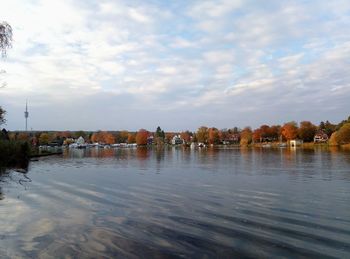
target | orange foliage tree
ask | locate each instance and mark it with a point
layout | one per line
(103, 137)
(169, 136)
(246, 136)
(213, 136)
(23, 136)
(141, 137)
(290, 130)
(131, 138)
(185, 135)
(257, 135)
(108, 138)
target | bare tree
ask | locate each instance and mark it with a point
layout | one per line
(5, 43)
(5, 37)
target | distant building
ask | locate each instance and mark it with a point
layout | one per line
(177, 140)
(295, 142)
(150, 140)
(231, 138)
(80, 141)
(320, 137)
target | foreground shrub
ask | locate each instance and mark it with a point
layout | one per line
(14, 153)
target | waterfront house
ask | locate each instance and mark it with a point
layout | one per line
(177, 140)
(320, 137)
(150, 140)
(295, 142)
(80, 141)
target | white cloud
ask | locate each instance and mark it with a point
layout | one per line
(173, 56)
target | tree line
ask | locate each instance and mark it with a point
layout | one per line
(305, 130)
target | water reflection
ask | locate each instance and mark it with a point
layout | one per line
(13, 177)
(175, 202)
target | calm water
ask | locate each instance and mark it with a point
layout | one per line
(179, 203)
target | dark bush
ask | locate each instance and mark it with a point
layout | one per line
(14, 153)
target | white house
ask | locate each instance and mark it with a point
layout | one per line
(177, 140)
(295, 142)
(80, 141)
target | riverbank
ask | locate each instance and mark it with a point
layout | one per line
(18, 153)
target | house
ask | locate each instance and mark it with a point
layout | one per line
(177, 140)
(320, 137)
(295, 142)
(150, 140)
(80, 141)
(231, 138)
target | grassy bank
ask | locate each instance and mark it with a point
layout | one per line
(14, 153)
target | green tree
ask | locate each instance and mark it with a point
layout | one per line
(342, 123)
(80, 133)
(160, 133)
(327, 127)
(307, 131)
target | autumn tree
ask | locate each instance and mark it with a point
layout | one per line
(23, 136)
(64, 134)
(224, 134)
(202, 134)
(12, 136)
(213, 136)
(275, 131)
(108, 138)
(265, 131)
(168, 137)
(290, 130)
(131, 138)
(327, 127)
(44, 138)
(246, 136)
(307, 131)
(141, 137)
(103, 137)
(186, 136)
(194, 138)
(123, 136)
(343, 134)
(95, 137)
(257, 135)
(333, 140)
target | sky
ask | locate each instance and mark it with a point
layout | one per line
(112, 65)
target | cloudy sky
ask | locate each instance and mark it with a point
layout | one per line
(107, 64)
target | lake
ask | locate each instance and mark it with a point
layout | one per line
(171, 203)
